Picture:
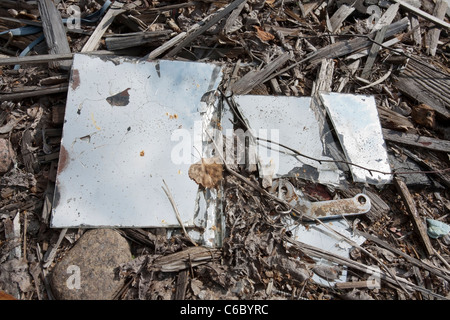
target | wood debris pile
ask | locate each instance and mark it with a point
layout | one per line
(397, 51)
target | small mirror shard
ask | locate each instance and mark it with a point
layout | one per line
(357, 124)
(143, 123)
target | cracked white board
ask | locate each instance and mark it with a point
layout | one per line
(125, 121)
(357, 124)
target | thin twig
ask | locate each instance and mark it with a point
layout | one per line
(377, 81)
(174, 206)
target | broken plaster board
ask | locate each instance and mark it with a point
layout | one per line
(357, 124)
(293, 122)
(321, 237)
(118, 139)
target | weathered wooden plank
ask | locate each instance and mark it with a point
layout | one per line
(416, 140)
(182, 282)
(433, 35)
(232, 18)
(44, 58)
(387, 18)
(373, 52)
(393, 120)
(345, 47)
(182, 260)
(417, 37)
(429, 166)
(166, 46)
(129, 40)
(423, 14)
(357, 284)
(55, 34)
(419, 224)
(426, 85)
(94, 40)
(36, 93)
(339, 16)
(255, 77)
(324, 77)
(216, 18)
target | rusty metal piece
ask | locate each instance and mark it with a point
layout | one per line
(321, 210)
(359, 204)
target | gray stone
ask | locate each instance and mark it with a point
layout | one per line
(6, 155)
(88, 270)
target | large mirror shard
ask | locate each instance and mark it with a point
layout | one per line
(357, 124)
(129, 125)
(294, 122)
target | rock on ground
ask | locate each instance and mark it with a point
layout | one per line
(88, 270)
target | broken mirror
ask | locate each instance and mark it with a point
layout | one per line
(357, 124)
(131, 125)
(276, 122)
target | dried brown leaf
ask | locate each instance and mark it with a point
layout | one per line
(263, 35)
(208, 172)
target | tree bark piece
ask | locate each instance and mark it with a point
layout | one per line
(412, 210)
(55, 34)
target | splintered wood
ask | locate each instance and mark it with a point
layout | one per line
(412, 210)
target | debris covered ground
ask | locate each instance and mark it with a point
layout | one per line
(396, 51)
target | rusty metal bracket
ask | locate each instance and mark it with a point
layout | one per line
(322, 210)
